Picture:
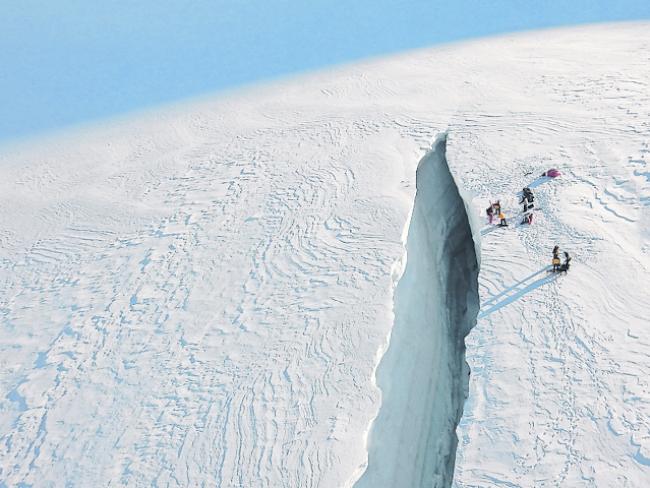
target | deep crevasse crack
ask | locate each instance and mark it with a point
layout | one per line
(423, 375)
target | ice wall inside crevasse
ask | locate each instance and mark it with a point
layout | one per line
(423, 375)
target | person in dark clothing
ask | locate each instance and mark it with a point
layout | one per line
(528, 214)
(566, 264)
(527, 200)
(490, 212)
(556, 259)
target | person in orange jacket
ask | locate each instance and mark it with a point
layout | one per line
(502, 218)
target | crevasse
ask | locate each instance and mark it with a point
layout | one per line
(423, 376)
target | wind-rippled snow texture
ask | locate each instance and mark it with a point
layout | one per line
(199, 315)
(198, 296)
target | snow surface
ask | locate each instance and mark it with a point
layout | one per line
(201, 295)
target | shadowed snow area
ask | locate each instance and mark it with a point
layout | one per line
(423, 375)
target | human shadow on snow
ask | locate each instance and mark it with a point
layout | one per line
(492, 227)
(518, 290)
(539, 181)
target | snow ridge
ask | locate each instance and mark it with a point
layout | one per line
(423, 376)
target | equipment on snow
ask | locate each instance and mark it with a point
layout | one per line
(552, 173)
(556, 264)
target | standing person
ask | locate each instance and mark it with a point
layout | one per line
(527, 199)
(528, 216)
(490, 212)
(556, 259)
(502, 219)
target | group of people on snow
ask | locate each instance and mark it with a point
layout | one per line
(527, 199)
(495, 210)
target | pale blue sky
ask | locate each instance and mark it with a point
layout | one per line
(64, 62)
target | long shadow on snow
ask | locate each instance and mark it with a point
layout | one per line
(539, 181)
(521, 288)
(490, 228)
(517, 223)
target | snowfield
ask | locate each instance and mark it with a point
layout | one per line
(246, 291)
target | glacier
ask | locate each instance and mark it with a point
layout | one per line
(220, 292)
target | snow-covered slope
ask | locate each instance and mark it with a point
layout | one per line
(202, 295)
(560, 389)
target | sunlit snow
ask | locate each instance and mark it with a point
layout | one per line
(206, 294)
